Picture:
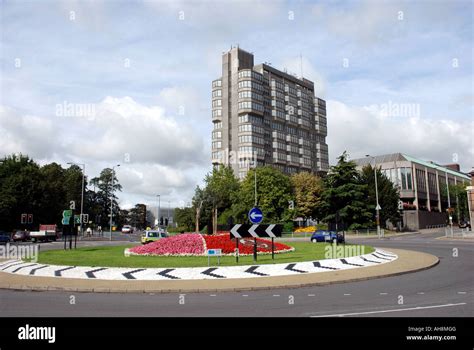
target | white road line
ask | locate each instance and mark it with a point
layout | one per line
(311, 295)
(420, 293)
(346, 294)
(461, 292)
(245, 295)
(276, 295)
(391, 310)
(383, 293)
(212, 295)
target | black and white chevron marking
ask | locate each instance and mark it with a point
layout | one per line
(129, 275)
(91, 274)
(344, 261)
(385, 254)
(33, 271)
(208, 272)
(165, 273)
(318, 264)
(381, 257)
(370, 261)
(12, 264)
(197, 273)
(58, 273)
(291, 267)
(252, 271)
(22, 267)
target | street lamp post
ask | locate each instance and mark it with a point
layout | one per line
(112, 200)
(82, 193)
(158, 211)
(377, 208)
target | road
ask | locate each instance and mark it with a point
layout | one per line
(444, 290)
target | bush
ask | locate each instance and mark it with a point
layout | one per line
(288, 226)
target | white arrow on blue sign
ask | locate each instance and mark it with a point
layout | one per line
(255, 215)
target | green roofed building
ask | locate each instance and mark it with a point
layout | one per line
(422, 186)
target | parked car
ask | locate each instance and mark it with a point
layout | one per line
(127, 229)
(21, 236)
(327, 236)
(152, 236)
(4, 237)
(464, 224)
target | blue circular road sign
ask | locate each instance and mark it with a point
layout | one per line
(255, 215)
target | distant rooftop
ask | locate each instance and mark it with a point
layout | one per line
(395, 157)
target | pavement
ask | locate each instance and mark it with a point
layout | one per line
(444, 290)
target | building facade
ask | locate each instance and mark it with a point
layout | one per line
(262, 116)
(422, 186)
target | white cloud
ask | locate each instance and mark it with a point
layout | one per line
(157, 153)
(363, 130)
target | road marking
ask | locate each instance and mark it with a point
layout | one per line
(212, 295)
(383, 293)
(311, 295)
(461, 292)
(346, 294)
(420, 293)
(245, 295)
(276, 295)
(391, 310)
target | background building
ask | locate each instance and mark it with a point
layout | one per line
(470, 198)
(422, 186)
(260, 113)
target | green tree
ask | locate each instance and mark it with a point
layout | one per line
(102, 196)
(273, 195)
(221, 184)
(137, 216)
(20, 192)
(458, 194)
(388, 195)
(185, 218)
(54, 192)
(345, 194)
(307, 189)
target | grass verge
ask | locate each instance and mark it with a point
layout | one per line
(113, 256)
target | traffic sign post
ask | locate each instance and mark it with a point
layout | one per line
(214, 252)
(256, 231)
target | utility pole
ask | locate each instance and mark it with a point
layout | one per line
(112, 200)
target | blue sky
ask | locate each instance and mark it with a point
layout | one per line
(363, 55)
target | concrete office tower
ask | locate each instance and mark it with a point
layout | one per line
(264, 116)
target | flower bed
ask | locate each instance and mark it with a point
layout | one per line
(193, 244)
(245, 245)
(305, 229)
(180, 245)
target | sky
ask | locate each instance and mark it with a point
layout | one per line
(129, 82)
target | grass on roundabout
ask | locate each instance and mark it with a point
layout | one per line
(113, 256)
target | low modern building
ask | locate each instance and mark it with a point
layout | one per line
(264, 116)
(422, 185)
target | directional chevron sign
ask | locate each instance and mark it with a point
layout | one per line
(245, 230)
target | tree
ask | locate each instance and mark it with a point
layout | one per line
(102, 196)
(388, 195)
(273, 194)
(221, 184)
(345, 195)
(20, 191)
(185, 217)
(137, 216)
(458, 194)
(307, 189)
(54, 192)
